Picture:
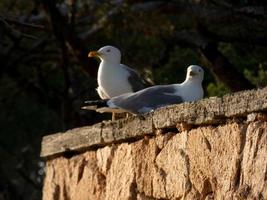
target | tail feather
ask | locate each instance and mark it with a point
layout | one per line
(101, 106)
(97, 103)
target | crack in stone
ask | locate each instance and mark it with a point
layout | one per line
(207, 143)
(207, 189)
(238, 173)
(237, 188)
(81, 170)
(65, 191)
(187, 184)
(111, 156)
(56, 192)
(147, 197)
(133, 189)
(259, 136)
(162, 174)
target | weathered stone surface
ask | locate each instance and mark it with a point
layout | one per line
(212, 110)
(227, 161)
(104, 133)
(219, 152)
(253, 169)
(75, 139)
(208, 111)
(120, 177)
(78, 178)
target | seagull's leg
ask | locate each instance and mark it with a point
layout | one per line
(113, 116)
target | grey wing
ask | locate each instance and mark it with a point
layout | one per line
(148, 99)
(136, 81)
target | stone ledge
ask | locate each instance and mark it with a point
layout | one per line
(212, 110)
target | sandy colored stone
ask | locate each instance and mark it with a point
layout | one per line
(218, 152)
(185, 116)
(214, 156)
(104, 158)
(120, 182)
(75, 178)
(253, 172)
(173, 163)
(146, 170)
(209, 162)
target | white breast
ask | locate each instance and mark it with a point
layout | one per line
(113, 79)
(190, 92)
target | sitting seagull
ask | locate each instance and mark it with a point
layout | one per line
(154, 97)
(113, 77)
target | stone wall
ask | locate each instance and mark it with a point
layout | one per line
(174, 153)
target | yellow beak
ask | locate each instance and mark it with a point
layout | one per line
(94, 54)
(192, 73)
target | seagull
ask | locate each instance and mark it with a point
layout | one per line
(113, 77)
(149, 99)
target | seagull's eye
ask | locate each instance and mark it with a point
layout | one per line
(199, 70)
(108, 50)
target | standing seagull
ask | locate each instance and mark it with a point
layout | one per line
(154, 97)
(113, 77)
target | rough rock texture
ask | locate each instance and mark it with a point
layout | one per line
(213, 110)
(210, 162)
(212, 149)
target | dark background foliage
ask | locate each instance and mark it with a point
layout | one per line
(45, 73)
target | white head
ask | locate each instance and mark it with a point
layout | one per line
(107, 53)
(195, 73)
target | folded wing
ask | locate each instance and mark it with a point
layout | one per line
(147, 100)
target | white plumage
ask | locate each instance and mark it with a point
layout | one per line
(154, 97)
(113, 77)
